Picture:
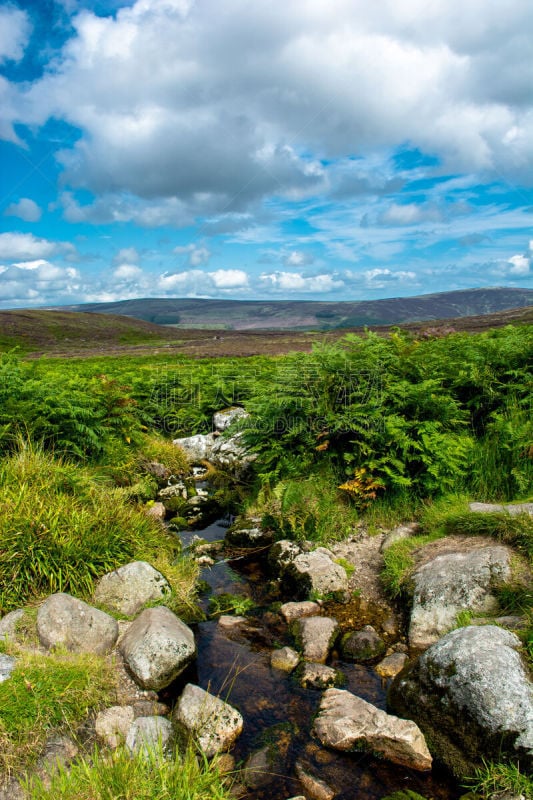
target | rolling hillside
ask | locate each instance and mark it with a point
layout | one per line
(314, 315)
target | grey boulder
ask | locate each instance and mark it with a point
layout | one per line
(316, 636)
(315, 572)
(147, 734)
(223, 419)
(128, 588)
(454, 582)
(213, 723)
(64, 621)
(197, 448)
(471, 694)
(361, 646)
(157, 647)
(346, 722)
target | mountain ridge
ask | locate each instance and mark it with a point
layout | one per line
(312, 314)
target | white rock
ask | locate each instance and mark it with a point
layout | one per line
(213, 723)
(292, 611)
(157, 647)
(146, 733)
(223, 419)
(346, 722)
(128, 588)
(112, 725)
(64, 621)
(7, 665)
(197, 448)
(8, 625)
(317, 635)
(317, 676)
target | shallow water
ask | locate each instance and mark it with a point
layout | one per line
(235, 664)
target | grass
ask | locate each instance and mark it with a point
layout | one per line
(189, 776)
(399, 562)
(502, 780)
(46, 693)
(61, 529)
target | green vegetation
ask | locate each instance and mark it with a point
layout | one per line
(399, 562)
(227, 603)
(146, 776)
(61, 528)
(501, 780)
(46, 693)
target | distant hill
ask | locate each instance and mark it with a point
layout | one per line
(314, 315)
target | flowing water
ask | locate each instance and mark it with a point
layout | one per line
(234, 663)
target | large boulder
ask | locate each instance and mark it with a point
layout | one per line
(471, 695)
(316, 636)
(346, 722)
(147, 734)
(64, 621)
(197, 448)
(128, 588)
(213, 723)
(513, 509)
(223, 419)
(157, 647)
(454, 582)
(231, 455)
(315, 572)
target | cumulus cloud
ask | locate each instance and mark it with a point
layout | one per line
(127, 255)
(297, 258)
(15, 29)
(25, 209)
(297, 282)
(194, 255)
(127, 272)
(201, 132)
(15, 246)
(195, 282)
(38, 282)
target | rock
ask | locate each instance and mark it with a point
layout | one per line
(59, 751)
(512, 508)
(147, 733)
(197, 448)
(226, 763)
(364, 645)
(231, 455)
(212, 722)
(261, 768)
(249, 537)
(223, 419)
(128, 588)
(470, 692)
(346, 722)
(285, 659)
(64, 621)
(315, 788)
(7, 665)
(315, 572)
(112, 725)
(292, 611)
(157, 647)
(8, 625)
(156, 511)
(455, 582)
(318, 676)
(281, 554)
(391, 665)
(157, 470)
(150, 708)
(399, 533)
(178, 489)
(316, 636)
(229, 622)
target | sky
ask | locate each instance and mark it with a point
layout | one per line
(264, 149)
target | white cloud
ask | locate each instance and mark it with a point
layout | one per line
(296, 282)
(25, 209)
(38, 282)
(519, 265)
(127, 255)
(297, 258)
(195, 256)
(15, 31)
(25, 246)
(127, 272)
(204, 134)
(229, 278)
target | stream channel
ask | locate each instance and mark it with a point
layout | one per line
(234, 663)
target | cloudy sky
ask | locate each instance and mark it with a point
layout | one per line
(306, 149)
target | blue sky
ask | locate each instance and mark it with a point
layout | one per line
(304, 149)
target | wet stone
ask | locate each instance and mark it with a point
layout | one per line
(318, 676)
(316, 636)
(292, 611)
(315, 788)
(285, 659)
(391, 665)
(212, 722)
(362, 646)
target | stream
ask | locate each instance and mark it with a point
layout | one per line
(234, 663)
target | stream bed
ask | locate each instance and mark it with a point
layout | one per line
(234, 663)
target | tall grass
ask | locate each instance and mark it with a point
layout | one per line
(145, 776)
(60, 529)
